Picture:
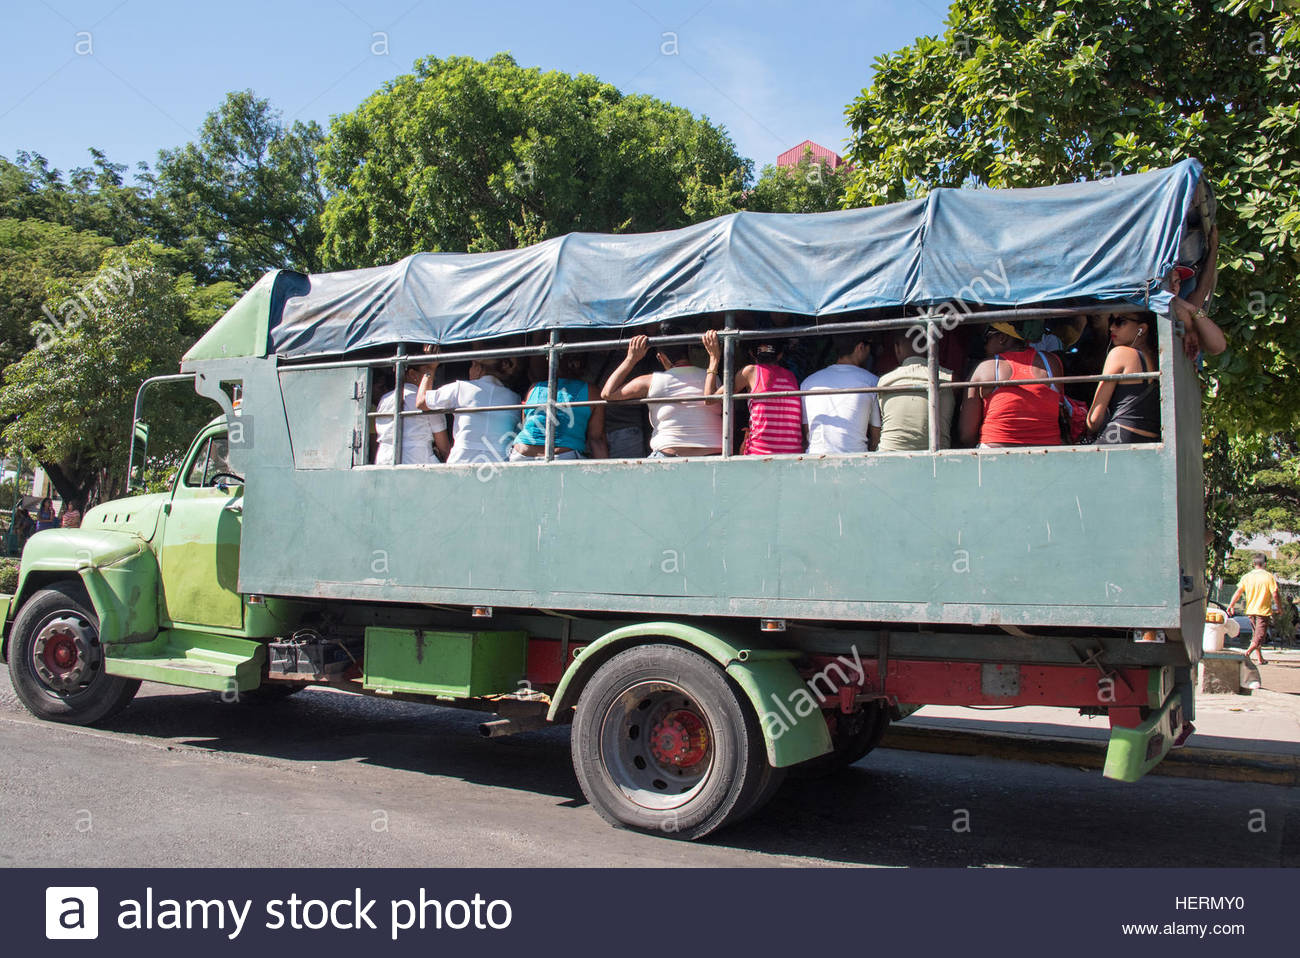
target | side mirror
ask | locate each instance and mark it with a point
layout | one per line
(139, 456)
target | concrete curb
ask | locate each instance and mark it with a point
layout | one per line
(1189, 762)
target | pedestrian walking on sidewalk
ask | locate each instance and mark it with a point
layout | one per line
(1260, 588)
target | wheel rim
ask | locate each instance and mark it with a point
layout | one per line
(656, 743)
(65, 654)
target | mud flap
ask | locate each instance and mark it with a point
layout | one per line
(1135, 751)
(794, 729)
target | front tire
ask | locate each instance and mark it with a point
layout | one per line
(56, 662)
(664, 742)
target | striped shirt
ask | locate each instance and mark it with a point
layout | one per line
(775, 425)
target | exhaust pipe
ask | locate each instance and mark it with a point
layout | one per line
(499, 727)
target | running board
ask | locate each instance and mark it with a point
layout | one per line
(195, 660)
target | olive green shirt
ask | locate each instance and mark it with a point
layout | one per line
(905, 417)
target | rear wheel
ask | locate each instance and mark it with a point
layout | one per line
(56, 662)
(664, 742)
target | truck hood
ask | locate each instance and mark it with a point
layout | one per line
(138, 515)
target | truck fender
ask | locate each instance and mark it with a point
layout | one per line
(118, 569)
(767, 677)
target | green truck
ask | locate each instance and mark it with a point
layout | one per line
(704, 623)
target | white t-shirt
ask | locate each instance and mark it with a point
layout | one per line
(417, 431)
(838, 424)
(683, 424)
(479, 436)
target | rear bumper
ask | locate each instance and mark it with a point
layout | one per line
(1135, 751)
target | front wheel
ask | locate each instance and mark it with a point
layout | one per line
(664, 742)
(56, 662)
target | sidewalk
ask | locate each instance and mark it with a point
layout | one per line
(1252, 737)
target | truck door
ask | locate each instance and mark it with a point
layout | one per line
(200, 548)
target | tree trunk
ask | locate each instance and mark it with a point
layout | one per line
(68, 489)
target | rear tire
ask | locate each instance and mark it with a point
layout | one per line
(56, 662)
(663, 741)
(769, 784)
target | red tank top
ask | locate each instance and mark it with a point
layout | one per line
(1021, 415)
(774, 424)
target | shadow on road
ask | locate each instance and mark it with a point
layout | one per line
(893, 808)
(320, 727)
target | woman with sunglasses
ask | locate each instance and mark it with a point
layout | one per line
(1127, 410)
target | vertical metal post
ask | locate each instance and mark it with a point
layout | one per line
(552, 383)
(932, 335)
(399, 402)
(728, 384)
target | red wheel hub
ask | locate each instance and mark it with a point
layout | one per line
(680, 738)
(60, 652)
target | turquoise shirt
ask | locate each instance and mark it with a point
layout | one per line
(570, 422)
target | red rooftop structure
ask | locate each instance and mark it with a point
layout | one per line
(792, 156)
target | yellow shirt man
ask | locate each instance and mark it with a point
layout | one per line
(1260, 589)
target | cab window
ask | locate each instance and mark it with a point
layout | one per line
(212, 460)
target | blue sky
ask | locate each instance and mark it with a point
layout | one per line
(773, 73)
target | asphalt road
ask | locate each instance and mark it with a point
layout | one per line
(324, 779)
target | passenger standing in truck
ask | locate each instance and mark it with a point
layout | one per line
(1201, 333)
(845, 422)
(678, 428)
(905, 416)
(579, 430)
(1127, 411)
(626, 426)
(776, 424)
(421, 435)
(999, 411)
(476, 436)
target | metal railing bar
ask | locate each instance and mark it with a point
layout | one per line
(789, 332)
(847, 390)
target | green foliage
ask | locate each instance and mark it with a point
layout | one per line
(1024, 93)
(808, 187)
(248, 189)
(69, 400)
(469, 155)
(8, 576)
(1286, 565)
(91, 199)
(1252, 489)
(34, 254)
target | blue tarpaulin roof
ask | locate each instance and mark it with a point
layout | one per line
(1108, 240)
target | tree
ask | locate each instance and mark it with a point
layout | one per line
(248, 190)
(93, 198)
(1025, 93)
(34, 254)
(811, 186)
(67, 403)
(469, 155)
(1254, 490)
